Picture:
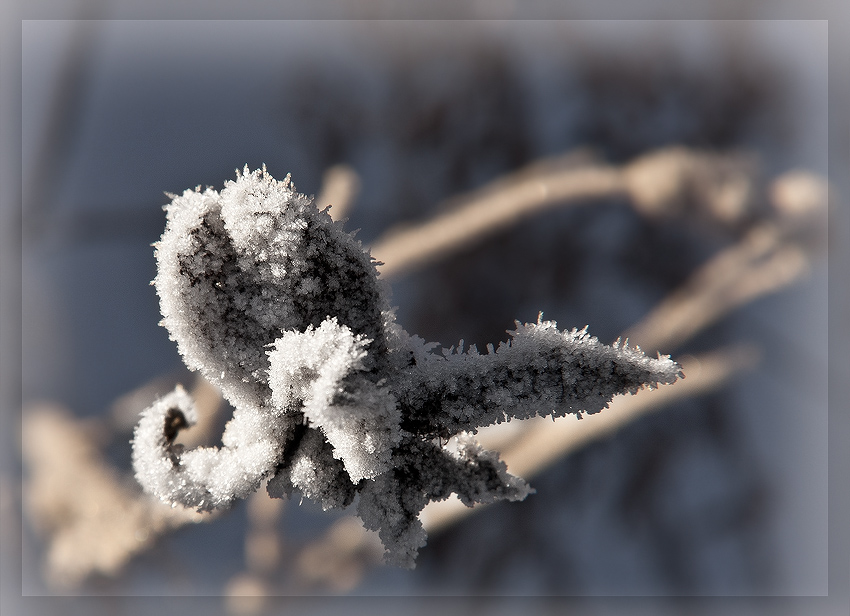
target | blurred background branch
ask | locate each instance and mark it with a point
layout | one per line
(670, 182)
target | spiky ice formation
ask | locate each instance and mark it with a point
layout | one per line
(282, 309)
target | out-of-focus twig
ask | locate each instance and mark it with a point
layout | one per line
(489, 209)
(340, 558)
(800, 197)
(771, 256)
(62, 122)
(209, 403)
(340, 186)
(675, 180)
(263, 543)
(667, 182)
(248, 592)
(759, 264)
(92, 519)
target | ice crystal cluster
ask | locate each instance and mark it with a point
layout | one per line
(273, 302)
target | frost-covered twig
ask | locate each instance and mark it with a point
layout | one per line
(529, 448)
(541, 441)
(797, 196)
(278, 306)
(56, 441)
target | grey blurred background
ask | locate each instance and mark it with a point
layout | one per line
(722, 495)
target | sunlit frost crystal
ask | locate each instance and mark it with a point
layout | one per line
(273, 302)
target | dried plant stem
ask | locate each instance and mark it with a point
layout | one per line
(761, 263)
(248, 592)
(340, 186)
(339, 559)
(490, 209)
(665, 182)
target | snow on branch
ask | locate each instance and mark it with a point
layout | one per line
(272, 301)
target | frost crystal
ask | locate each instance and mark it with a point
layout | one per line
(278, 306)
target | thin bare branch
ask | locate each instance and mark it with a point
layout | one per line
(248, 592)
(666, 182)
(490, 209)
(770, 257)
(761, 263)
(340, 558)
(340, 186)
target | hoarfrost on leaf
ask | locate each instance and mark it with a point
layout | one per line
(273, 302)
